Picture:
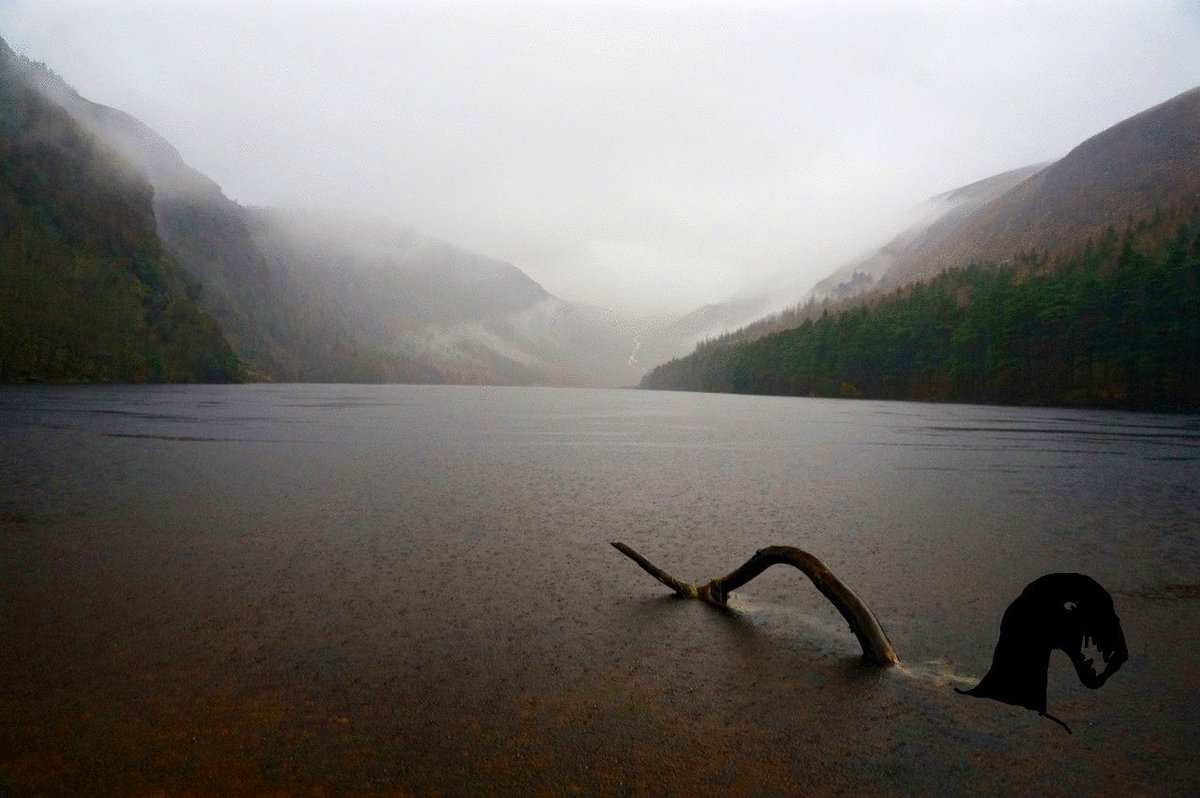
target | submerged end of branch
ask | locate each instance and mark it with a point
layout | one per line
(681, 587)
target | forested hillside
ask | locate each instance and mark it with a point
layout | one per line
(86, 290)
(1115, 325)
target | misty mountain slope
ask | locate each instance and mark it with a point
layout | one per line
(87, 293)
(1148, 162)
(1112, 325)
(751, 316)
(282, 326)
(275, 328)
(1135, 307)
(474, 318)
(391, 269)
(140, 145)
(308, 297)
(944, 215)
(663, 339)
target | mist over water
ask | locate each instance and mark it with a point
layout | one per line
(369, 586)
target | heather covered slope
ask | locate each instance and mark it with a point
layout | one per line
(741, 320)
(943, 216)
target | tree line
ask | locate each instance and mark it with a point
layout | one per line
(1115, 324)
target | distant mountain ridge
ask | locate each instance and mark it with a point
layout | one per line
(476, 318)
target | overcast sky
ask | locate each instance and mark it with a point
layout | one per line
(636, 155)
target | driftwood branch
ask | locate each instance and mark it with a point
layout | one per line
(876, 647)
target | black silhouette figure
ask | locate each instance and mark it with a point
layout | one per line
(1068, 612)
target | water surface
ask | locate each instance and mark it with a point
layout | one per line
(399, 588)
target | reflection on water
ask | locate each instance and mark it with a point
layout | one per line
(356, 588)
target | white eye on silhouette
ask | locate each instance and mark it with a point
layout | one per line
(1068, 605)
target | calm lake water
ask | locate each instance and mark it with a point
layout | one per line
(374, 589)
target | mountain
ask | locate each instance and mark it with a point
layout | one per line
(1110, 326)
(662, 338)
(476, 319)
(274, 326)
(753, 315)
(1040, 298)
(1148, 162)
(321, 297)
(943, 216)
(87, 292)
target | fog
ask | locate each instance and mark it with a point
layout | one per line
(648, 157)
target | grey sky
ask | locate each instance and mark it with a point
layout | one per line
(630, 155)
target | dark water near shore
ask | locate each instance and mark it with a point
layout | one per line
(374, 589)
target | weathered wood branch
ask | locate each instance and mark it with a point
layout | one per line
(876, 647)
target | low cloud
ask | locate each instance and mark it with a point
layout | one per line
(649, 158)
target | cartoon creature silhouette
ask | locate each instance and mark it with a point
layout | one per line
(1068, 612)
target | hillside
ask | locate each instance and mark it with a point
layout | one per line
(1127, 172)
(1028, 221)
(943, 216)
(1112, 326)
(274, 326)
(87, 293)
(1147, 162)
(318, 297)
(474, 319)
(746, 319)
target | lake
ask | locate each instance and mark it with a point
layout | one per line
(327, 589)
